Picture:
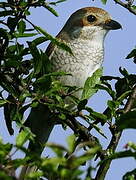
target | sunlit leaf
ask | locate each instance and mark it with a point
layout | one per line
(2, 102)
(89, 87)
(34, 175)
(22, 137)
(71, 143)
(21, 27)
(104, 1)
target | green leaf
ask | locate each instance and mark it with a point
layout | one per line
(36, 57)
(76, 162)
(23, 136)
(131, 145)
(104, 1)
(134, 7)
(34, 175)
(26, 12)
(50, 9)
(127, 120)
(39, 40)
(89, 87)
(54, 40)
(18, 35)
(21, 27)
(12, 23)
(2, 102)
(43, 78)
(131, 54)
(130, 175)
(52, 163)
(81, 105)
(5, 150)
(113, 104)
(58, 149)
(12, 63)
(109, 91)
(70, 174)
(71, 143)
(123, 96)
(124, 72)
(12, 48)
(98, 115)
(9, 113)
(55, 3)
(6, 13)
(5, 176)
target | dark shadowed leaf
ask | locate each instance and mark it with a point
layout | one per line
(131, 54)
(113, 104)
(9, 112)
(12, 23)
(6, 13)
(37, 63)
(81, 105)
(127, 120)
(123, 71)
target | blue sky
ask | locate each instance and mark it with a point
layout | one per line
(117, 45)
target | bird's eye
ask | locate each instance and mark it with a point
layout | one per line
(91, 18)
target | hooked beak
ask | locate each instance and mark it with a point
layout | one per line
(112, 25)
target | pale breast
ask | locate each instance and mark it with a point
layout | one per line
(86, 59)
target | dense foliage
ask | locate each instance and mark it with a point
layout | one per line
(26, 80)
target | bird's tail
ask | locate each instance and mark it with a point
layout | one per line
(41, 124)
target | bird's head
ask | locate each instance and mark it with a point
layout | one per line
(88, 23)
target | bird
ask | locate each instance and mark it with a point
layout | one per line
(84, 32)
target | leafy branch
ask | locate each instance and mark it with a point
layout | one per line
(116, 134)
(128, 5)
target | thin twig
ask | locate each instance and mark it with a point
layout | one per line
(80, 129)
